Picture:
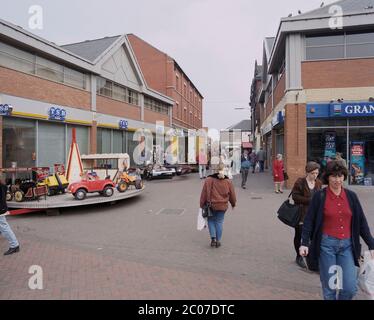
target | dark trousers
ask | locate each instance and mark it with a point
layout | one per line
(262, 165)
(297, 238)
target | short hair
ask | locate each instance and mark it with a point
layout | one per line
(333, 168)
(311, 166)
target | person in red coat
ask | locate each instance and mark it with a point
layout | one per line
(278, 175)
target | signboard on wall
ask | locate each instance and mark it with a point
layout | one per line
(56, 113)
(357, 162)
(5, 110)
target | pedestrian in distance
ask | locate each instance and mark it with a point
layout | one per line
(218, 190)
(261, 157)
(5, 228)
(331, 235)
(244, 168)
(302, 192)
(278, 173)
(253, 158)
(203, 162)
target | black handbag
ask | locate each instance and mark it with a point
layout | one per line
(285, 175)
(207, 209)
(289, 213)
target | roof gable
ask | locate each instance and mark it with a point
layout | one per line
(91, 49)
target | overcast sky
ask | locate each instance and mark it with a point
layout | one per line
(216, 42)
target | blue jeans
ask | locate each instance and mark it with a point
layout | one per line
(7, 232)
(202, 170)
(336, 261)
(215, 224)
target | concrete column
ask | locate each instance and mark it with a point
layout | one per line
(93, 137)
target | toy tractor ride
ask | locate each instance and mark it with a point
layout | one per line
(57, 182)
(130, 177)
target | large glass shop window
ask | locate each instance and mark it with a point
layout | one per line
(361, 155)
(322, 145)
(82, 134)
(19, 142)
(51, 144)
(104, 140)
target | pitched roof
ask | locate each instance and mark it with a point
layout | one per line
(244, 125)
(349, 7)
(91, 49)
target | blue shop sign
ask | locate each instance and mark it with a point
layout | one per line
(341, 110)
(56, 113)
(6, 110)
(123, 124)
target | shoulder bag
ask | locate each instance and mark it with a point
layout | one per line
(207, 209)
(289, 213)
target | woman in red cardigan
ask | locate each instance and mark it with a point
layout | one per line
(278, 175)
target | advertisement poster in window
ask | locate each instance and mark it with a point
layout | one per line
(357, 162)
(330, 147)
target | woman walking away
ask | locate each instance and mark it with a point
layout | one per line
(302, 192)
(218, 190)
(278, 175)
(331, 235)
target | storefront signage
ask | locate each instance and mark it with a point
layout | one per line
(352, 109)
(123, 124)
(357, 162)
(5, 109)
(341, 110)
(266, 129)
(55, 113)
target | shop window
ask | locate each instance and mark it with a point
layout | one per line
(19, 142)
(13, 58)
(49, 69)
(51, 153)
(117, 141)
(82, 134)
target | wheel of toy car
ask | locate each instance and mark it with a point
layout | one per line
(19, 195)
(122, 186)
(108, 191)
(139, 184)
(80, 194)
(9, 196)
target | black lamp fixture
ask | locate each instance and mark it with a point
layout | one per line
(371, 99)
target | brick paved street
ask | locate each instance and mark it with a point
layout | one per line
(133, 250)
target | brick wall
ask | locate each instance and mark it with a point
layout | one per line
(295, 141)
(338, 74)
(31, 87)
(117, 108)
(152, 117)
(152, 63)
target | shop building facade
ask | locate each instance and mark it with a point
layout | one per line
(319, 98)
(163, 74)
(46, 90)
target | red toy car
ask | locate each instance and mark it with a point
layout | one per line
(91, 183)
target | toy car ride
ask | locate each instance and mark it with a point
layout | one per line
(129, 178)
(91, 183)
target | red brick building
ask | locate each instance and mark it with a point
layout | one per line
(94, 86)
(317, 90)
(163, 74)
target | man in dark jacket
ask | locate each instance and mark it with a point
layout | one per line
(5, 229)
